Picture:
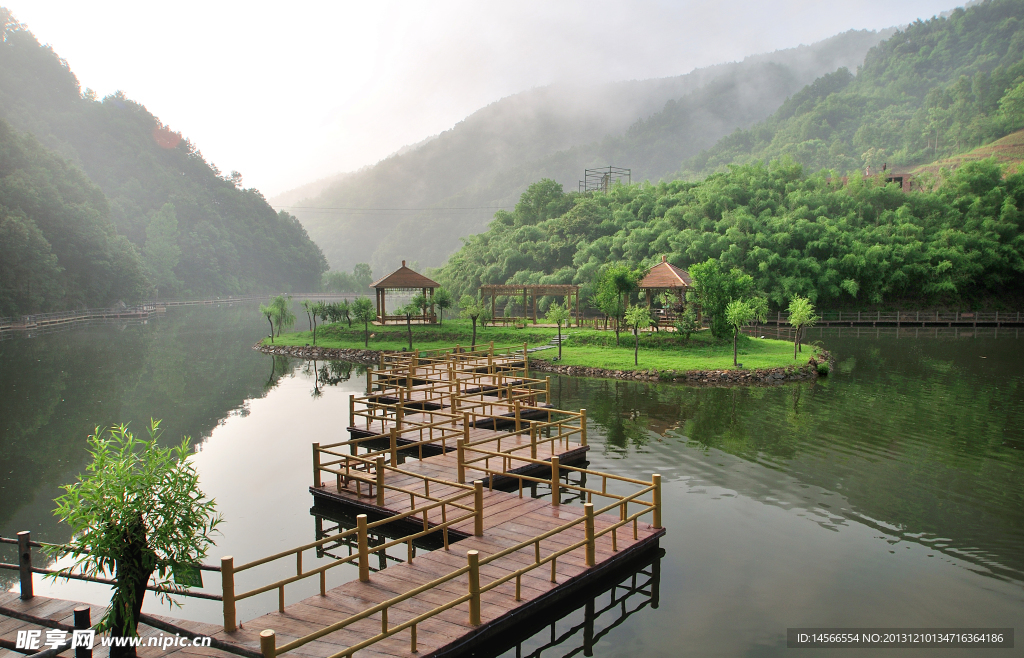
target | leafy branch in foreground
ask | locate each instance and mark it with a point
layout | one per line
(137, 513)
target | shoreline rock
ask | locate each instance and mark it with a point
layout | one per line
(731, 377)
(365, 357)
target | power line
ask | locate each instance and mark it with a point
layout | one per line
(373, 210)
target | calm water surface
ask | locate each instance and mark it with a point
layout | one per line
(891, 494)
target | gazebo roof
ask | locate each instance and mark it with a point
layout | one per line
(666, 275)
(403, 277)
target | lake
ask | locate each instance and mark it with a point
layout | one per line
(890, 494)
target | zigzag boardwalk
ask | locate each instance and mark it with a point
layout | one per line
(456, 446)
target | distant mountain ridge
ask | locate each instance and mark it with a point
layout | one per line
(487, 160)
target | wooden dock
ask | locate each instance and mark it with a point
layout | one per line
(453, 447)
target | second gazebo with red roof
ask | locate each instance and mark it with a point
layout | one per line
(404, 279)
(666, 277)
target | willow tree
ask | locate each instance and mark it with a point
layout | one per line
(741, 312)
(137, 513)
(472, 308)
(362, 309)
(282, 313)
(558, 315)
(801, 316)
(637, 318)
(269, 312)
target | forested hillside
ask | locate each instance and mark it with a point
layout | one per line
(840, 243)
(199, 231)
(554, 132)
(58, 248)
(934, 89)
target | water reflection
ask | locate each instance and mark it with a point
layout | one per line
(594, 613)
(922, 440)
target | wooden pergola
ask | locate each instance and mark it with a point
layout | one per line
(404, 280)
(666, 277)
(570, 293)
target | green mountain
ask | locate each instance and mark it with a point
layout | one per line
(199, 232)
(449, 186)
(59, 247)
(932, 90)
(840, 243)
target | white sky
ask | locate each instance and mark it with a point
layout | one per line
(288, 93)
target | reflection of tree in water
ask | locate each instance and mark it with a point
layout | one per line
(278, 367)
(330, 373)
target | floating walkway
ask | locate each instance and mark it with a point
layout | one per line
(459, 448)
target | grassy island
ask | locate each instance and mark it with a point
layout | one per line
(663, 350)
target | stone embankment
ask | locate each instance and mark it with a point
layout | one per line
(731, 377)
(368, 357)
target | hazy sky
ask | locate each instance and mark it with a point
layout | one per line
(290, 92)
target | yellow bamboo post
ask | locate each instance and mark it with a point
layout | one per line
(364, 555)
(460, 451)
(583, 427)
(478, 504)
(351, 410)
(227, 585)
(316, 465)
(369, 385)
(588, 510)
(465, 426)
(556, 494)
(394, 447)
(533, 441)
(474, 587)
(268, 643)
(656, 478)
(380, 480)
(519, 424)
(526, 361)
(547, 389)
(400, 409)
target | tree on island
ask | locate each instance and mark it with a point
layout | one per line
(138, 512)
(637, 318)
(282, 313)
(443, 300)
(741, 312)
(472, 308)
(801, 316)
(557, 315)
(613, 288)
(412, 308)
(715, 286)
(269, 312)
(362, 309)
(345, 311)
(307, 306)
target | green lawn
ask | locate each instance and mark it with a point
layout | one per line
(584, 347)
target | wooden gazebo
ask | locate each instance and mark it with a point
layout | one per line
(666, 277)
(571, 295)
(405, 280)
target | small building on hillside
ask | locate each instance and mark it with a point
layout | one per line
(404, 280)
(666, 277)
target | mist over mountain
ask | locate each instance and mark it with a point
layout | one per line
(934, 89)
(486, 161)
(198, 231)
